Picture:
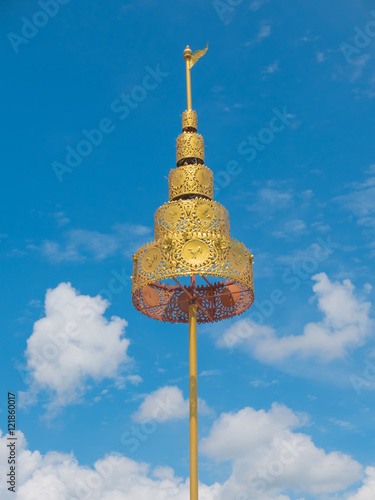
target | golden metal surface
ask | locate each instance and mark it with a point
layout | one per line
(196, 55)
(237, 258)
(150, 296)
(176, 178)
(205, 177)
(191, 59)
(189, 119)
(189, 145)
(151, 259)
(172, 213)
(191, 179)
(230, 295)
(184, 219)
(192, 237)
(195, 251)
(193, 397)
(178, 261)
(205, 213)
(187, 56)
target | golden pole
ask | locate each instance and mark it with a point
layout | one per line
(193, 376)
(187, 57)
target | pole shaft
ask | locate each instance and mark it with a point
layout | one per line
(188, 85)
(193, 389)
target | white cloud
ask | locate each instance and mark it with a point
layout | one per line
(264, 32)
(269, 457)
(210, 373)
(97, 244)
(57, 253)
(271, 68)
(343, 424)
(257, 4)
(345, 326)
(277, 199)
(81, 244)
(61, 219)
(357, 66)
(370, 92)
(262, 383)
(244, 334)
(321, 227)
(132, 379)
(309, 39)
(321, 57)
(361, 199)
(270, 200)
(367, 491)
(167, 403)
(317, 252)
(72, 343)
(58, 476)
(291, 228)
(234, 434)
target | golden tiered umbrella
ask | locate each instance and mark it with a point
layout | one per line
(172, 275)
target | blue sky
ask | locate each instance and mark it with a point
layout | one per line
(293, 377)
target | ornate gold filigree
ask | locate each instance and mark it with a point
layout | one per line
(195, 251)
(192, 238)
(237, 258)
(151, 259)
(193, 255)
(189, 145)
(171, 303)
(189, 119)
(198, 216)
(173, 213)
(191, 179)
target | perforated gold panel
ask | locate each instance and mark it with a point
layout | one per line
(191, 179)
(189, 145)
(192, 239)
(189, 254)
(189, 119)
(168, 302)
(190, 218)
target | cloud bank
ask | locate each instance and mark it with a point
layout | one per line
(345, 326)
(72, 344)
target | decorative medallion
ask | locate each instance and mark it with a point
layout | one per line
(151, 259)
(177, 178)
(183, 302)
(205, 212)
(172, 214)
(230, 295)
(150, 296)
(237, 259)
(204, 178)
(195, 251)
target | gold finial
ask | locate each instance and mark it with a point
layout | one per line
(187, 56)
(187, 52)
(191, 59)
